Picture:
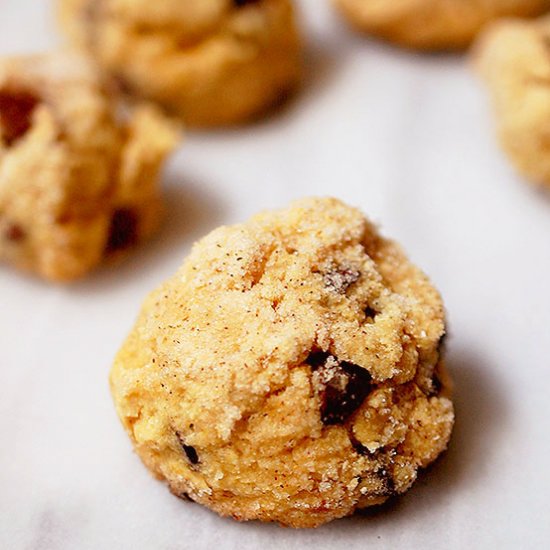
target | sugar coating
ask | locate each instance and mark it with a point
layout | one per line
(513, 58)
(78, 181)
(433, 24)
(290, 371)
(213, 62)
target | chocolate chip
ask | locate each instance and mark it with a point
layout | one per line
(241, 3)
(191, 453)
(437, 385)
(340, 279)
(342, 386)
(370, 313)
(383, 475)
(16, 109)
(317, 359)
(360, 449)
(386, 476)
(14, 233)
(123, 231)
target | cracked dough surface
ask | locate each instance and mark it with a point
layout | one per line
(433, 24)
(290, 371)
(78, 181)
(213, 62)
(513, 58)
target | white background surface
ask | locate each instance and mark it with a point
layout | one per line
(407, 138)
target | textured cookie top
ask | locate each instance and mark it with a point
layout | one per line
(274, 292)
(300, 343)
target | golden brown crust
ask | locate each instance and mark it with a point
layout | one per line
(433, 24)
(76, 184)
(513, 58)
(212, 62)
(291, 370)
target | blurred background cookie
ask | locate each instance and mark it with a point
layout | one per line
(513, 58)
(433, 24)
(78, 178)
(212, 62)
(291, 371)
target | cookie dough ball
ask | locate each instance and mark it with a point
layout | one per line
(433, 24)
(513, 57)
(78, 181)
(212, 62)
(291, 371)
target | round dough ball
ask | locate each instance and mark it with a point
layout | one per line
(78, 178)
(433, 24)
(212, 62)
(290, 371)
